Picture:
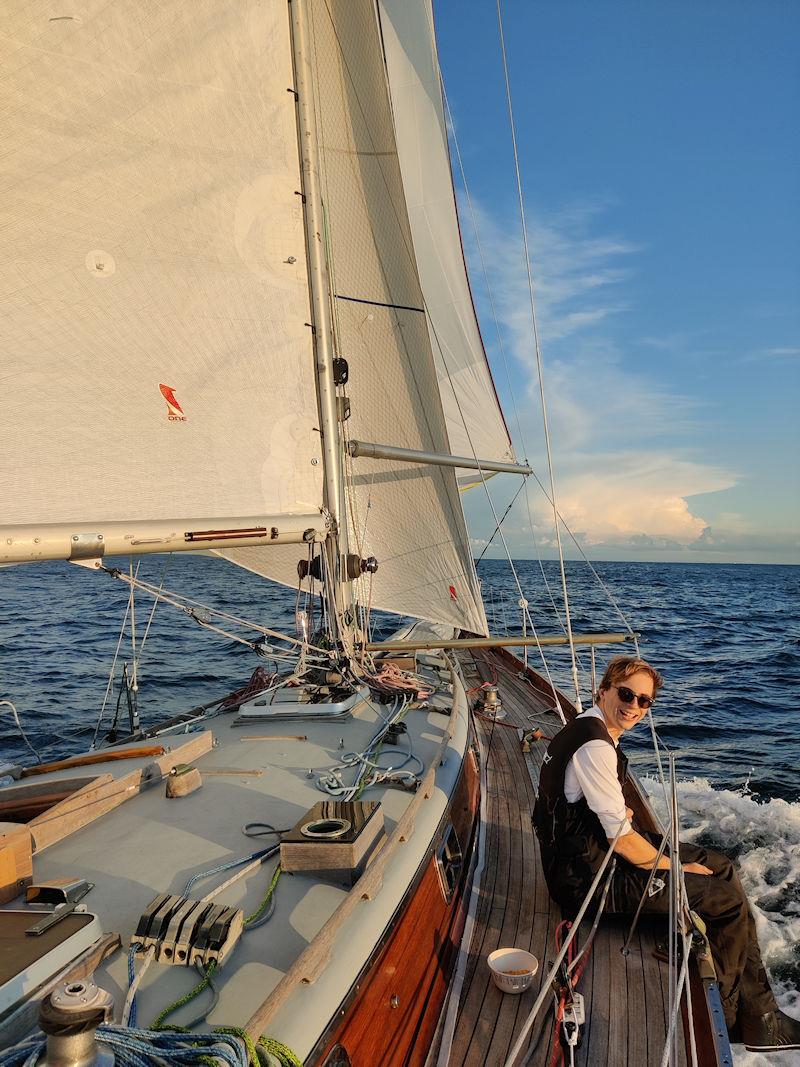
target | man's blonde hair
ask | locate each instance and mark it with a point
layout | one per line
(621, 668)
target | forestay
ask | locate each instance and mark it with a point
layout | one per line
(408, 516)
(156, 356)
(475, 423)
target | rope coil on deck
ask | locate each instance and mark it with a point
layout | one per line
(133, 1047)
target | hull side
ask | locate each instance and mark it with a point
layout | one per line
(392, 1013)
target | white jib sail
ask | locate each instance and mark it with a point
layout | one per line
(475, 423)
(156, 361)
(408, 516)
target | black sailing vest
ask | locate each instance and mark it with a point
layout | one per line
(571, 837)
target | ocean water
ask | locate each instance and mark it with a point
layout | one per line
(726, 638)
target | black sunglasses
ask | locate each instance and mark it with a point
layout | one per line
(627, 696)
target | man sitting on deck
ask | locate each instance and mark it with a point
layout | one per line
(578, 812)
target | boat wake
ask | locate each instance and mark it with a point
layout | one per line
(764, 839)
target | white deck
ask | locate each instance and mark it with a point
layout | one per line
(150, 845)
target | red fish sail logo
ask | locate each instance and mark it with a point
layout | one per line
(174, 410)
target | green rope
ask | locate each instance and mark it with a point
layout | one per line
(262, 907)
(185, 999)
(275, 1048)
(242, 1034)
(280, 1051)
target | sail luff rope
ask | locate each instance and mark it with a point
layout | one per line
(539, 365)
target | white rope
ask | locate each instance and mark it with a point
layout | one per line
(15, 713)
(149, 956)
(539, 366)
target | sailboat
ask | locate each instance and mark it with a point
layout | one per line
(238, 320)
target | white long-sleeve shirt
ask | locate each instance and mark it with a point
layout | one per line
(592, 773)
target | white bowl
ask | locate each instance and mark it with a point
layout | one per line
(505, 960)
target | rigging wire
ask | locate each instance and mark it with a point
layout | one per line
(111, 675)
(500, 342)
(511, 391)
(502, 520)
(180, 601)
(539, 364)
(134, 657)
(167, 563)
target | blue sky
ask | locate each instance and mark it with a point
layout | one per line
(661, 168)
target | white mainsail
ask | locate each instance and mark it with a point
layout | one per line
(408, 516)
(475, 423)
(157, 355)
(156, 358)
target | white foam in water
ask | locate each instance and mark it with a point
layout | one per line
(764, 837)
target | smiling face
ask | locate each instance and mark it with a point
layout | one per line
(619, 715)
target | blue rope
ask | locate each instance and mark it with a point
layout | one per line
(131, 976)
(228, 865)
(146, 1048)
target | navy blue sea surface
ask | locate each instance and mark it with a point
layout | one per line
(726, 638)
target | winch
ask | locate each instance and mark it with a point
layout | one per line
(492, 705)
(185, 932)
(70, 1016)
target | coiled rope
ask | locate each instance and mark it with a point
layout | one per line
(133, 1047)
(151, 1048)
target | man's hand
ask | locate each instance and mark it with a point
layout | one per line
(629, 813)
(696, 868)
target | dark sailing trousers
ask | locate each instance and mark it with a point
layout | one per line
(720, 901)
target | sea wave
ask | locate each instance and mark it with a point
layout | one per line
(764, 839)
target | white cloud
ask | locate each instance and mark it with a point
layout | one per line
(570, 269)
(624, 472)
